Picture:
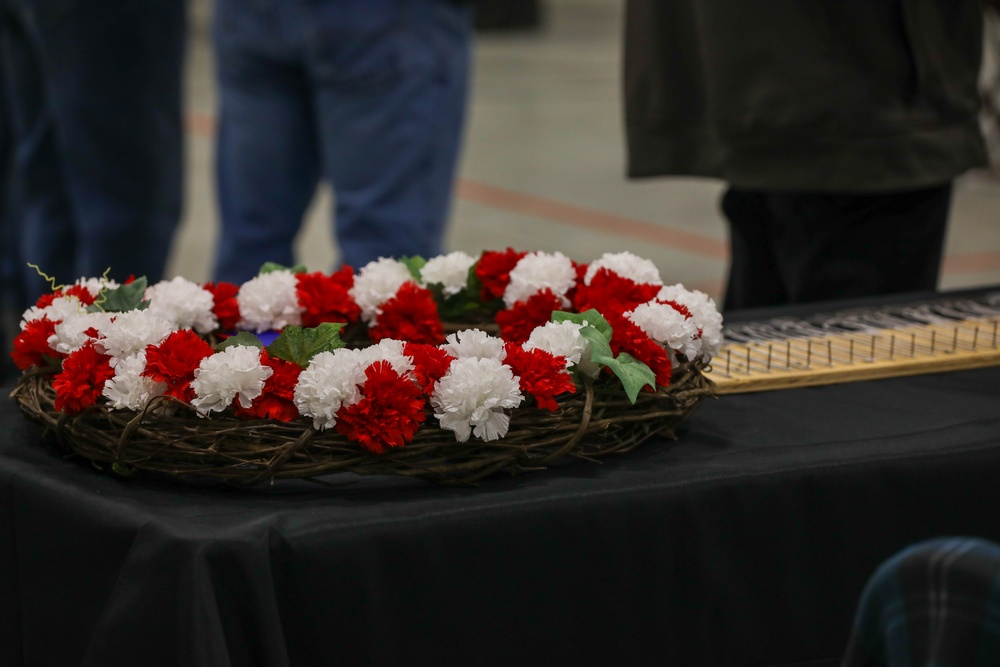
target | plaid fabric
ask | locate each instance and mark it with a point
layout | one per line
(935, 604)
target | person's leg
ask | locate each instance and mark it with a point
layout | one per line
(835, 246)
(391, 84)
(40, 224)
(266, 158)
(115, 69)
(754, 278)
(936, 603)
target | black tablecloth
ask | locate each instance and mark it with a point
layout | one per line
(747, 542)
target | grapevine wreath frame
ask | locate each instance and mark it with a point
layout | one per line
(168, 434)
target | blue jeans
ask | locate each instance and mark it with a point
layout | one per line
(113, 71)
(369, 95)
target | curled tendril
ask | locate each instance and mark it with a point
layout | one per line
(102, 295)
(49, 279)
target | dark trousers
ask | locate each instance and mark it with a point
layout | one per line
(112, 84)
(791, 247)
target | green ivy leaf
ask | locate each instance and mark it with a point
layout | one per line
(299, 345)
(414, 265)
(590, 317)
(122, 299)
(271, 267)
(244, 338)
(123, 470)
(634, 374)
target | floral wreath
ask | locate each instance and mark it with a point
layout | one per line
(274, 348)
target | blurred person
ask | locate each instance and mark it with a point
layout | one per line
(369, 95)
(933, 604)
(839, 127)
(32, 189)
(112, 74)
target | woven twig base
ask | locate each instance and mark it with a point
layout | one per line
(169, 438)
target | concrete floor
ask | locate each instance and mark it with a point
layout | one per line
(543, 166)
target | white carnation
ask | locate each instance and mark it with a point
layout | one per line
(563, 339)
(451, 271)
(704, 312)
(331, 380)
(76, 330)
(125, 334)
(376, 283)
(668, 327)
(128, 389)
(221, 378)
(471, 398)
(97, 285)
(388, 350)
(537, 271)
(626, 265)
(269, 302)
(61, 308)
(187, 305)
(476, 344)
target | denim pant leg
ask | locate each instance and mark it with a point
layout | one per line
(266, 153)
(114, 70)
(391, 91)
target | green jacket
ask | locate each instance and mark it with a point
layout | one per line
(819, 95)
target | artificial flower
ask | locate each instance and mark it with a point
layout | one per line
(451, 271)
(77, 330)
(326, 298)
(669, 325)
(411, 314)
(628, 337)
(376, 283)
(626, 265)
(269, 302)
(81, 381)
(329, 381)
(563, 339)
(493, 271)
(705, 313)
(186, 305)
(56, 309)
(472, 397)
(539, 271)
(128, 333)
(236, 373)
(31, 345)
(430, 363)
(540, 374)
(129, 389)
(389, 413)
(608, 292)
(225, 305)
(277, 399)
(475, 344)
(174, 361)
(517, 322)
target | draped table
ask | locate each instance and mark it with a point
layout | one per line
(745, 542)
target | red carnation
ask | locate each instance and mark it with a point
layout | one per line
(493, 271)
(278, 398)
(390, 413)
(82, 379)
(517, 322)
(31, 345)
(629, 337)
(430, 363)
(225, 306)
(45, 300)
(610, 293)
(325, 298)
(81, 293)
(174, 361)
(541, 373)
(411, 315)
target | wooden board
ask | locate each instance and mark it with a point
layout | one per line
(852, 356)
